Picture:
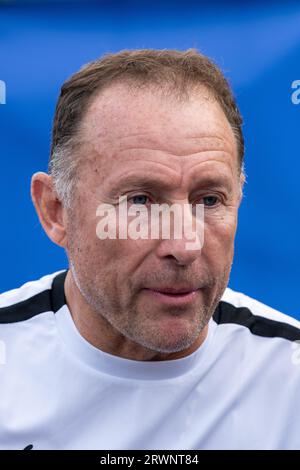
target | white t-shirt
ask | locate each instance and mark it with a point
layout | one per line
(239, 390)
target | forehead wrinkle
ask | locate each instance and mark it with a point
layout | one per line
(205, 143)
(112, 155)
(178, 155)
(182, 178)
(134, 174)
(174, 168)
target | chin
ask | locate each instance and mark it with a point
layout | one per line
(172, 341)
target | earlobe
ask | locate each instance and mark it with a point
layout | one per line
(48, 207)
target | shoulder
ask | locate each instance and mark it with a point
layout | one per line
(259, 343)
(236, 308)
(32, 298)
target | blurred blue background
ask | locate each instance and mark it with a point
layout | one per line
(257, 44)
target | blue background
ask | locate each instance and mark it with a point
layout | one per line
(257, 44)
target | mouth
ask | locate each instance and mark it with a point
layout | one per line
(173, 296)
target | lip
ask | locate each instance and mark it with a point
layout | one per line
(174, 290)
(172, 296)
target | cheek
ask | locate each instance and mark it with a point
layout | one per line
(84, 240)
(219, 234)
(123, 256)
(118, 257)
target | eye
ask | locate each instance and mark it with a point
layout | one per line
(210, 201)
(139, 199)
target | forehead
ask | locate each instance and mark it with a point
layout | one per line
(126, 126)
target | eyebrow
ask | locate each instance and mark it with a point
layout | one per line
(147, 182)
(214, 181)
(136, 181)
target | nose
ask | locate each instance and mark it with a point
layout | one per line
(183, 251)
(184, 239)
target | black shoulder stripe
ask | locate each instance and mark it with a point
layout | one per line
(48, 300)
(260, 326)
(26, 309)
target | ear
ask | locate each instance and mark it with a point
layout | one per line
(242, 180)
(48, 207)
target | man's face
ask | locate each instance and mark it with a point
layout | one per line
(164, 151)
